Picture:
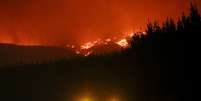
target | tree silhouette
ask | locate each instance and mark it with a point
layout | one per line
(180, 26)
(149, 28)
(169, 31)
(194, 17)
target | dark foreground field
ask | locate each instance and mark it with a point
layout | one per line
(134, 75)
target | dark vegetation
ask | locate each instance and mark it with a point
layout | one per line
(151, 70)
(11, 55)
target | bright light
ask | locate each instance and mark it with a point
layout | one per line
(144, 33)
(123, 43)
(88, 45)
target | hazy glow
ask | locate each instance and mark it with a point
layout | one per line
(97, 42)
(131, 35)
(61, 22)
(113, 99)
(88, 53)
(86, 99)
(78, 52)
(88, 45)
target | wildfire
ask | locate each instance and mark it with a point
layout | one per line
(86, 48)
(91, 44)
(144, 33)
(131, 35)
(88, 45)
(88, 53)
(123, 43)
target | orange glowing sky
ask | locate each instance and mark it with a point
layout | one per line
(58, 22)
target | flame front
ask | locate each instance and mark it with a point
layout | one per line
(86, 48)
(123, 43)
(88, 45)
(88, 53)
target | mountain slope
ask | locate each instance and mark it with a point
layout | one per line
(13, 54)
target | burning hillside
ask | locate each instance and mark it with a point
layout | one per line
(11, 54)
(105, 46)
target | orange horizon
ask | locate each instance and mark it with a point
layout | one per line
(61, 22)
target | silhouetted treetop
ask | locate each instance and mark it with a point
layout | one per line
(169, 31)
(194, 16)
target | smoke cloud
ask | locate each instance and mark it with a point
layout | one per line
(58, 22)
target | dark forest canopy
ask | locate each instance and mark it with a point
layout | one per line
(173, 32)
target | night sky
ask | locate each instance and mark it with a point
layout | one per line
(58, 22)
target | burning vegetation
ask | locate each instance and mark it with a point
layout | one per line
(123, 43)
(87, 49)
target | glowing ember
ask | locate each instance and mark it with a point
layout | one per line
(88, 53)
(131, 35)
(144, 33)
(78, 52)
(123, 43)
(108, 40)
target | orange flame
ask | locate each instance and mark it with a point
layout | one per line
(123, 43)
(86, 48)
(131, 35)
(88, 45)
(88, 53)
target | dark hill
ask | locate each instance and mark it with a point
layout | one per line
(14, 54)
